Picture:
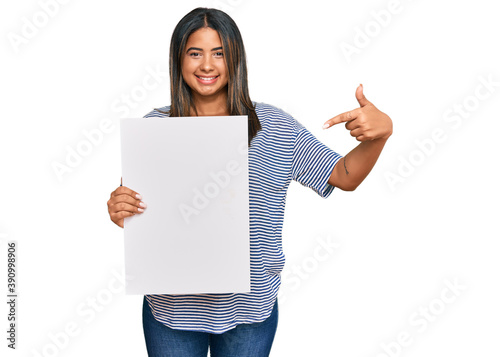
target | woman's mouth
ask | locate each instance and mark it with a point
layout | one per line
(206, 79)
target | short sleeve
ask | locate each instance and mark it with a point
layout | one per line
(312, 162)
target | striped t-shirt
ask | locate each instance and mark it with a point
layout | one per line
(281, 151)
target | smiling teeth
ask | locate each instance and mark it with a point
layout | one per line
(207, 78)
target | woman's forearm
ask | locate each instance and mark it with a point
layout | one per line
(352, 169)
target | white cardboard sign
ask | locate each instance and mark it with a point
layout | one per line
(192, 173)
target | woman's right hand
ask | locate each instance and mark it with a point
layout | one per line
(124, 203)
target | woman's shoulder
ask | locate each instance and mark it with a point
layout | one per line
(270, 113)
(265, 107)
(158, 112)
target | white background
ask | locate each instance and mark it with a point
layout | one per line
(397, 244)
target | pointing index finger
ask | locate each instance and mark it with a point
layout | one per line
(341, 118)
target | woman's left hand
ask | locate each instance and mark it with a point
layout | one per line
(365, 123)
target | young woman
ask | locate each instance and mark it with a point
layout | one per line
(208, 76)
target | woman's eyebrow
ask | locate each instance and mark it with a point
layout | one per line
(200, 49)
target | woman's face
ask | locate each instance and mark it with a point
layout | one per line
(203, 65)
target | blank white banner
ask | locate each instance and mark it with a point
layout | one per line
(192, 173)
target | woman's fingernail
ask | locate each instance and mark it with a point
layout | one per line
(139, 197)
(326, 126)
(140, 210)
(142, 204)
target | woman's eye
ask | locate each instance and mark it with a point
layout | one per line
(219, 54)
(195, 54)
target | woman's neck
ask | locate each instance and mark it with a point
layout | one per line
(216, 106)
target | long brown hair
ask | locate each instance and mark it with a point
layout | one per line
(238, 98)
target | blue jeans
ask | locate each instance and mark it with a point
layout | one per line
(244, 340)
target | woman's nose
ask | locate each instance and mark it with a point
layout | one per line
(207, 65)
